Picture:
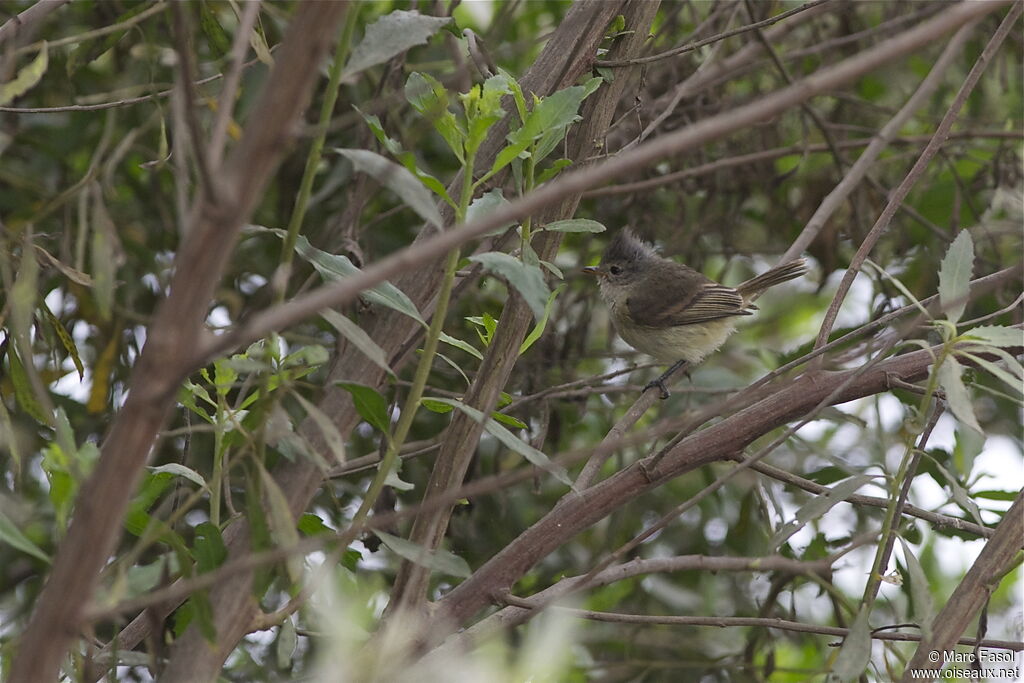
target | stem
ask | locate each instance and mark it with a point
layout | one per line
(884, 547)
(316, 150)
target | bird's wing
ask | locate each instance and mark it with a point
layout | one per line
(689, 298)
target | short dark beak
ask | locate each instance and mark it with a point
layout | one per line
(594, 270)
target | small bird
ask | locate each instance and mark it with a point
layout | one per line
(671, 311)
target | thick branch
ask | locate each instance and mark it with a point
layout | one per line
(717, 442)
(101, 504)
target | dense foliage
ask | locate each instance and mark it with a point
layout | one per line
(334, 491)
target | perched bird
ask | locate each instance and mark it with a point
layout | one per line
(671, 311)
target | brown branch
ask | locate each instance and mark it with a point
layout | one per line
(995, 559)
(577, 512)
(683, 49)
(775, 153)
(26, 18)
(783, 624)
(691, 137)
(103, 499)
(236, 64)
(409, 591)
(232, 608)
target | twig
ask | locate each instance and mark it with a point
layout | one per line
(775, 153)
(707, 41)
(900, 193)
(226, 101)
(878, 143)
(428, 250)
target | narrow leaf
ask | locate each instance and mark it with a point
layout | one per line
(959, 399)
(955, 276)
(538, 329)
(998, 335)
(511, 441)
(397, 179)
(818, 506)
(853, 657)
(12, 536)
(26, 78)
(282, 524)
(179, 470)
(924, 606)
(485, 204)
(391, 35)
(332, 437)
(527, 279)
(437, 560)
(336, 267)
(358, 337)
(460, 344)
(370, 405)
(575, 225)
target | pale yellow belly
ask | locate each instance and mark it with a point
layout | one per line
(685, 342)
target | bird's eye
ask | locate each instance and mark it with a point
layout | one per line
(615, 270)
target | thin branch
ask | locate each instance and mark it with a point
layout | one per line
(782, 624)
(101, 503)
(775, 153)
(878, 143)
(901, 192)
(27, 17)
(708, 41)
(226, 101)
(691, 137)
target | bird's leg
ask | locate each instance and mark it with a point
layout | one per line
(660, 381)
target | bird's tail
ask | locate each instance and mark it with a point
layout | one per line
(752, 288)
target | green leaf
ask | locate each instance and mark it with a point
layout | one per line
(554, 169)
(287, 641)
(12, 536)
(818, 506)
(282, 524)
(436, 406)
(509, 420)
(459, 344)
(312, 525)
(65, 339)
(359, 338)
(511, 441)
(955, 276)
(436, 560)
(26, 78)
(853, 657)
(178, 470)
(337, 267)
(527, 279)
(924, 607)
(538, 329)
(24, 394)
(575, 225)
(209, 548)
(959, 399)
(370, 405)
(998, 335)
(1014, 382)
(389, 36)
(406, 158)
(399, 180)
(332, 437)
(485, 204)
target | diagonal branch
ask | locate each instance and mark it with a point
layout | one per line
(101, 504)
